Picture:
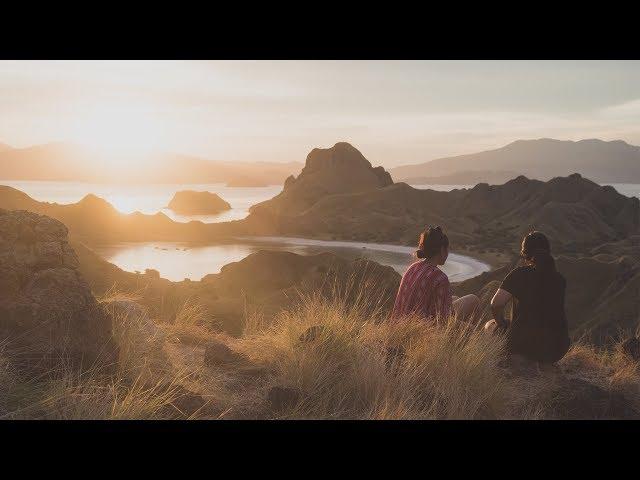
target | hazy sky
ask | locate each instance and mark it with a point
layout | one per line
(395, 112)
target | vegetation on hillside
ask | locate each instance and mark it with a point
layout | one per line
(327, 358)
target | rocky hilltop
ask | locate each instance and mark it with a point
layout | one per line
(575, 212)
(188, 202)
(327, 171)
(47, 310)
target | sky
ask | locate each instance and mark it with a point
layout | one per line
(394, 112)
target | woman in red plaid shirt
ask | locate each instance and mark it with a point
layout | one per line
(425, 289)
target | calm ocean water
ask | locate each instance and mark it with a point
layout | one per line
(148, 199)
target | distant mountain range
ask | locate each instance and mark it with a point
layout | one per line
(70, 162)
(603, 162)
(543, 159)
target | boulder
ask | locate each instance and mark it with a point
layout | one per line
(578, 399)
(217, 353)
(281, 398)
(47, 310)
(189, 404)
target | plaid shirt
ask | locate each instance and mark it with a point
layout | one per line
(425, 290)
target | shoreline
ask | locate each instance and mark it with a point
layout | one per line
(463, 264)
(494, 260)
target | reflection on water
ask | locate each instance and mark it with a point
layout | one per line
(177, 261)
(149, 199)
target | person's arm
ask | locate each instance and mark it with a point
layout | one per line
(498, 303)
(397, 305)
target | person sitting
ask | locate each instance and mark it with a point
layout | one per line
(425, 289)
(538, 328)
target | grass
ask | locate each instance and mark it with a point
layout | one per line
(359, 365)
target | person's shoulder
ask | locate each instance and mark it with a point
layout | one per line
(517, 276)
(524, 268)
(413, 268)
(521, 270)
(414, 265)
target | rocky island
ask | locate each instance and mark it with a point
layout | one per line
(188, 202)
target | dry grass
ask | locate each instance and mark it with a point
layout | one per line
(447, 370)
(140, 386)
(358, 366)
(349, 371)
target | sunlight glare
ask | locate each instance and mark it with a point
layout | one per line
(118, 131)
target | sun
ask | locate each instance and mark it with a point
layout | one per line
(119, 130)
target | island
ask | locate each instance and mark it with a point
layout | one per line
(188, 202)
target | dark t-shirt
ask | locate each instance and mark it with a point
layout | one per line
(538, 327)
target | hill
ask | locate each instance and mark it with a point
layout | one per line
(327, 171)
(322, 202)
(467, 177)
(604, 162)
(96, 221)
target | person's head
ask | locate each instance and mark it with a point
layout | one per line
(536, 251)
(434, 245)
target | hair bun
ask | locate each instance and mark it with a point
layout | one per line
(432, 239)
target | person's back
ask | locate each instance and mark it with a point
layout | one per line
(538, 329)
(424, 290)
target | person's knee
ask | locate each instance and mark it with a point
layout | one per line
(474, 300)
(471, 302)
(490, 326)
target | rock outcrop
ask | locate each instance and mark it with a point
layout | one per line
(188, 202)
(47, 310)
(340, 169)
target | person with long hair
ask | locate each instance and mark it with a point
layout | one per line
(424, 289)
(538, 328)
